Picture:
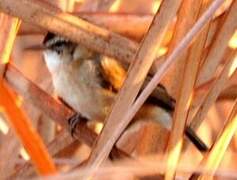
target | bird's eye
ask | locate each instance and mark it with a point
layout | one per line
(61, 46)
(58, 47)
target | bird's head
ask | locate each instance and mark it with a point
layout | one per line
(58, 50)
(63, 49)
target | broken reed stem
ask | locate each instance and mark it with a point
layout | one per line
(136, 75)
(26, 133)
(52, 108)
(212, 159)
(8, 31)
(215, 90)
(219, 45)
(191, 64)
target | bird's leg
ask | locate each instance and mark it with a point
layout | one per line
(73, 121)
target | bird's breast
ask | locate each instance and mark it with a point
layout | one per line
(78, 86)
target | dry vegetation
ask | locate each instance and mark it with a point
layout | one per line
(188, 45)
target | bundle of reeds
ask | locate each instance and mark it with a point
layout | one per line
(189, 46)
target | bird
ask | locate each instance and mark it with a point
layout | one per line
(88, 82)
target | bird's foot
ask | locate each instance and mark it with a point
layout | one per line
(73, 121)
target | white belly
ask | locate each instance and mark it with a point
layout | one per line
(82, 93)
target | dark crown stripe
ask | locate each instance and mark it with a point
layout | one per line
(52, 39)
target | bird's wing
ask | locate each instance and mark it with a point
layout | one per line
(114, 74)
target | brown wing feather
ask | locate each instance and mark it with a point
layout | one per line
(113, 72)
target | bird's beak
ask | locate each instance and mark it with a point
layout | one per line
(37, 47)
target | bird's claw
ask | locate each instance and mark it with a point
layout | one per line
(73, 122)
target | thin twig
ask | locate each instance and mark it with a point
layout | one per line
(212, 159)
(150, 87)
(214, 25)
(171, 59)
(201, 22)
(163, 69)
(189, 10)
(136, 75)
(212, 34)
(216, 89)
(219, 45)
(201, 91)
(189, 75)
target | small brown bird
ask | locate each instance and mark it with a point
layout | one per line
(88, 83)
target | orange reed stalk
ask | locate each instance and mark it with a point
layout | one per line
(25, 131)
(8, 31)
